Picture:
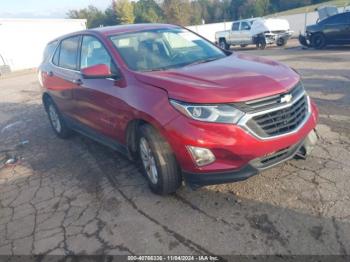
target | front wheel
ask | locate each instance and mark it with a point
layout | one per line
(261, 43)
(223, 44)
(158, 162)
(281, 42)
(56, 120)
(318, 41)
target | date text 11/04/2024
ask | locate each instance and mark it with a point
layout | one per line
(173, 258)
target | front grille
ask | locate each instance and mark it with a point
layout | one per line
(276, 157)
(280, 121)
(269, 102)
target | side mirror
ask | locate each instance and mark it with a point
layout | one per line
(97, 71)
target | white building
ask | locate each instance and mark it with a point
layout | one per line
(22, 41)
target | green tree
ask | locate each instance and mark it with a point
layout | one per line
(237, 9)
(124, 11)
(177, 11)
(263, 7)
(110, 16)
(196, 13)
(204, 7)
(94, 16)
(281, 5)
(148, 11)
(220, 10)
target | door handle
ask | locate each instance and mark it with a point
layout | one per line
(77, 82)
(50, 73)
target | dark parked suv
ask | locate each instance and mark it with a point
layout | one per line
(334, 30)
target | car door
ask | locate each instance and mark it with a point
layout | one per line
(234, 33)
(336, 28)
(245, 36)
(98, 100)
(59, 75)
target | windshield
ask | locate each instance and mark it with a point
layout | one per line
(164, 49)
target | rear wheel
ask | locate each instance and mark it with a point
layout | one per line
(223, 44)
(281, 42)
(57, 122)
(158, 162)
(318, 41)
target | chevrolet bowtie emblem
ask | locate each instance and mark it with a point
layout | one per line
(287, 98)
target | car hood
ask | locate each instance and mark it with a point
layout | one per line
(235, 78)
(313, 28)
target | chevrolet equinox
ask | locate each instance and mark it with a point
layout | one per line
(183, 108)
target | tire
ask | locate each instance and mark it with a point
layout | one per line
(260, 43)
(167, 178)
(303, 41)
(243, 46)
(56, 120)
(223, 44)
(318, 41)
(281, 42)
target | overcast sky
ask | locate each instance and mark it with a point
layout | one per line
(45, 8)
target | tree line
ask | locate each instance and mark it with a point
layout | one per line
(182, 12)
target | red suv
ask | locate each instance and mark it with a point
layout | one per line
(182, 106)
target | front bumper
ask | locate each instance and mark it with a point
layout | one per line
(303, 148)
(233, 146)
(195, 180)
(272, 38)
(304, 40)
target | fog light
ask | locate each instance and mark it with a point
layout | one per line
(201, 156)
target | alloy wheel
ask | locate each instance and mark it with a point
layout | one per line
(55, 119)
(148, 161)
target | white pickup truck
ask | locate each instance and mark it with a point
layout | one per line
(255, 31)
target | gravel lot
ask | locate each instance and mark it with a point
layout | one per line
(78, 197)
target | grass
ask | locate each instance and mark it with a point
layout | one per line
(311, 8)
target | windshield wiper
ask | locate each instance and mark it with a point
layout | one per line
(155, 69)
(202, 61)
(164, 68)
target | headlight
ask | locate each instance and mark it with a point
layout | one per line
(209, 113)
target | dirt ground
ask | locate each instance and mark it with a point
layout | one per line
(78, 197)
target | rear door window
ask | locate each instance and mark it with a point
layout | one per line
(67, 55)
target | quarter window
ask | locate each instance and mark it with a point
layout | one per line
(56, 57)
(50, 48)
